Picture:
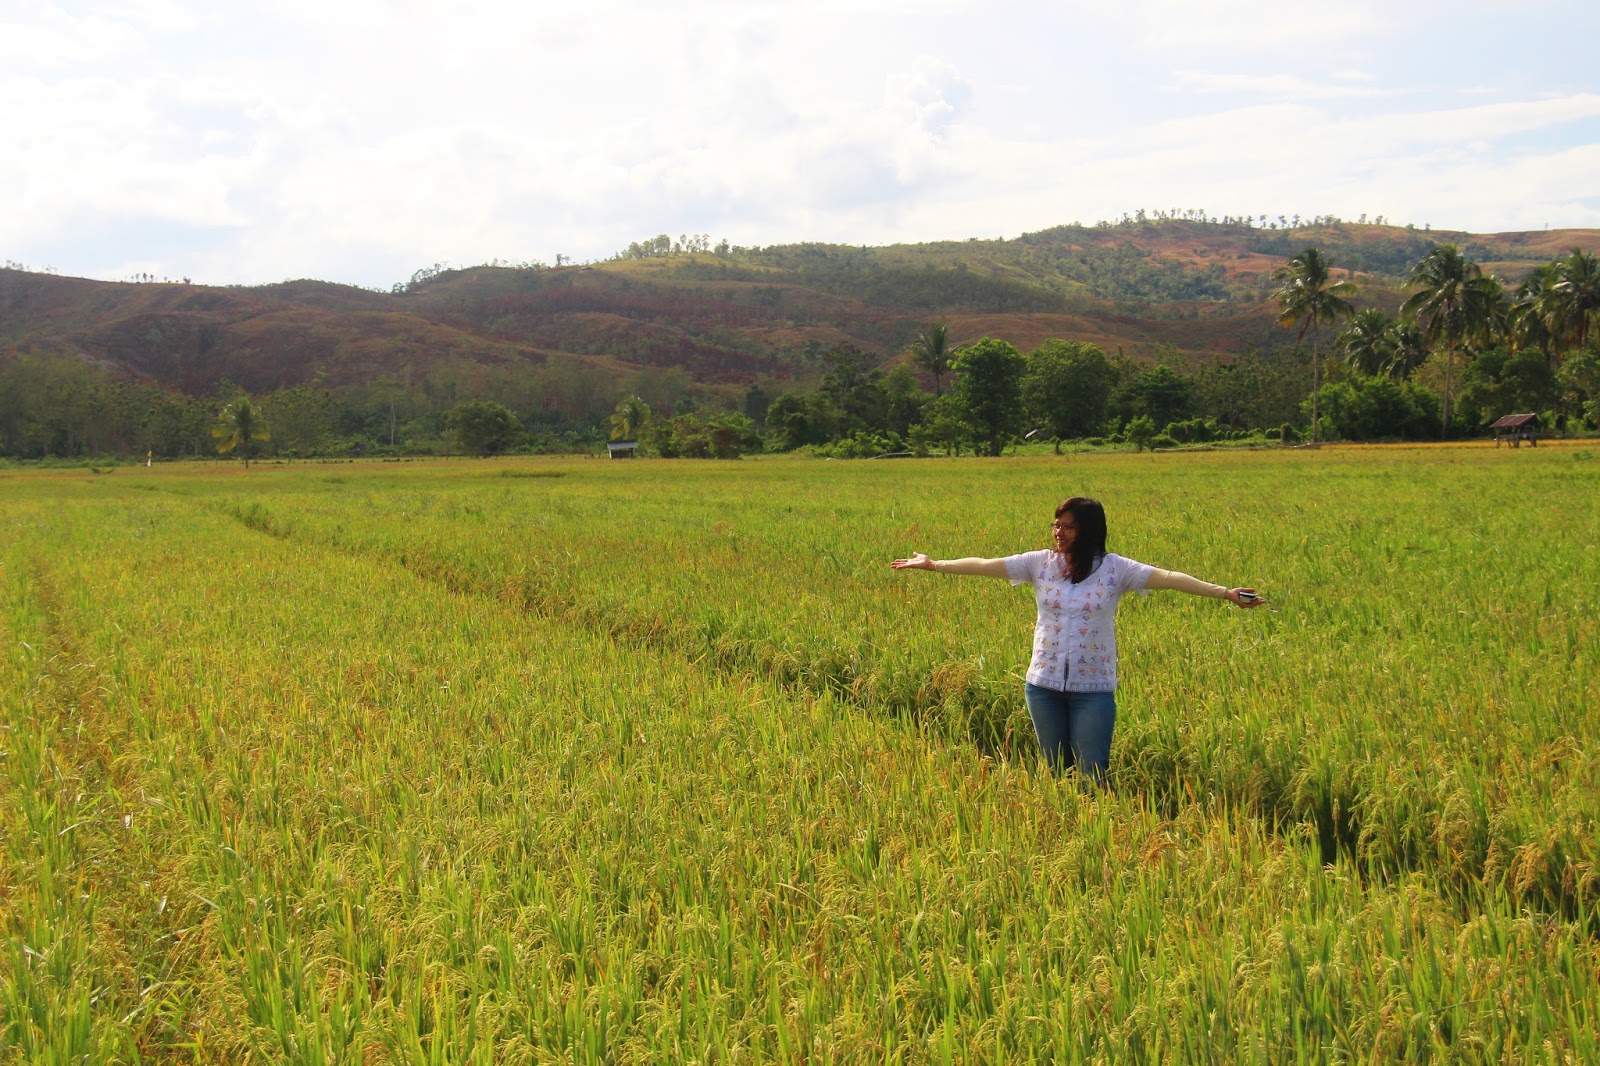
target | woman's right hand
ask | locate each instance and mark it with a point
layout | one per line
(918, 561)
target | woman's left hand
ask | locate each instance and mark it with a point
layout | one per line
(1243, 597)
(918, 561)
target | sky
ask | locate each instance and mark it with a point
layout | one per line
(360, 140)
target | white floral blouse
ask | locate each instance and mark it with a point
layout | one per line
(1075, 639)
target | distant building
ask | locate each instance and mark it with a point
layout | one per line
(621, 449)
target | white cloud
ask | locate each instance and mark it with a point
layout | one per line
(1483, 122)
(1228, 25)
(359, 139)
(42, 36)
(1276, 86)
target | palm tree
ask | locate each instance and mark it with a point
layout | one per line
(1456, 304)
(1528, 320)
(931, 351)
(1573, 298)
(630, 417)
(1310, 297)
(1404, 349)
(239, 426)
(1365, 341)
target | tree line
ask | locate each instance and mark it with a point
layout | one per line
(55, 407)
(989, 395)
(1463, 342)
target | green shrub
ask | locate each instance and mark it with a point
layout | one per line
(1375, 408)
(1140, 432)
(862, 444)
(1194, 430)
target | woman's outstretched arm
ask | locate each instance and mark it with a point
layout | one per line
(1178, 582)
(974, 567)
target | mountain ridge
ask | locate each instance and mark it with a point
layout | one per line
(1195, 289)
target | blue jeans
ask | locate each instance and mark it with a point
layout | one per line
(1074, 728)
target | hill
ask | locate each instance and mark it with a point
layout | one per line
(734, 317)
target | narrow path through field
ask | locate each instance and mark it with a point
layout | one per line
(105, 897)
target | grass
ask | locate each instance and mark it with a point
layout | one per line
(660, 761)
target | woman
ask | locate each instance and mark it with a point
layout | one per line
(1072, 679)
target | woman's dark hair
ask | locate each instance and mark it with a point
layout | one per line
(1089, 543)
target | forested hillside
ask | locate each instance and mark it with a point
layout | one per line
(685, 325)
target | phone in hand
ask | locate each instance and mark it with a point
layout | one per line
(1248, 597)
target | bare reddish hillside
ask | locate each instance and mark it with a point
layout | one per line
(1201, 288)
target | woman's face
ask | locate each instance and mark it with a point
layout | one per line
(1065, 531)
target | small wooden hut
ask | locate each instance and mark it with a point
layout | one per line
(1516, 429)
(621, 449)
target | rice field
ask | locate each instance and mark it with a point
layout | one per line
(569, 760)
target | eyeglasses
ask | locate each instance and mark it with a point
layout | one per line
(1063, 528)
